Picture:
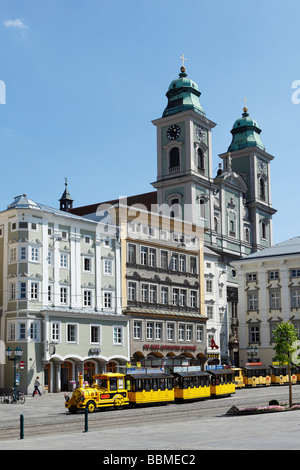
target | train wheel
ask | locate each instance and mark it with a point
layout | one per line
(119, 402)
(91, 406)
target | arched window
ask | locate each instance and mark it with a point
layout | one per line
(264, 230)
(202, 209)
(175, 208)
(247, 235)
(262, 189)
(174, 157)
(200, 159)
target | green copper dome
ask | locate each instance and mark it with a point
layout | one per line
(183, 95)
(245, 133)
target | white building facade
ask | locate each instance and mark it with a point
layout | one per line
(60, 280)
(269, 293)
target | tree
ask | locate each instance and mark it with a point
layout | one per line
(285, 336)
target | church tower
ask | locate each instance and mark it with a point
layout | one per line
(184, 154)
(66, 202)
(247, 156)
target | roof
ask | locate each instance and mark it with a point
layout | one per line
(146, 199)
(245, 133)
(288, 247)
(24, 202)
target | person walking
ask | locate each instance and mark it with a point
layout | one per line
(37, 383)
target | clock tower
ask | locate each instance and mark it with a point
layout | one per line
(184, 155)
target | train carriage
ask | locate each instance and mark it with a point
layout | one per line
(150, 387)
(191, 385)
(238, 377)
(256, 374)
(280, 376)
(108, 389)
(222, 382)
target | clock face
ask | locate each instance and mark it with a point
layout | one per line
(173, 132)
(200, 133)
(261, 166)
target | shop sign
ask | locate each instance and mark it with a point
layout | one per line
(169, 347)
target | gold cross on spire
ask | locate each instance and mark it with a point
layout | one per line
(182, 68)
(245, 106)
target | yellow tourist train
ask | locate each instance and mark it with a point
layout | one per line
(280, 376)
(256, 374)
(238, 377)
(144, 386)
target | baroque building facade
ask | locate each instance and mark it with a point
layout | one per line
(269, 293)
(60, 282)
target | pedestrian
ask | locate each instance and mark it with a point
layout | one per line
(37, 383)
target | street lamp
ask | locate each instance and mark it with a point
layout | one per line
(17, 356)
(252, 351)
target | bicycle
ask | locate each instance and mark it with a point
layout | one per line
(19, 397)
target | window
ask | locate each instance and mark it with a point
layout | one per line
(72, 333)
(164, 259)
(13, 254)
(23, 253)
(144, 293)
(200, 159)
(49, 293)
(64, 260)
(181, 332)
(182, 263)
(199, 333)
(295, 298)
(175, 296)
(22, 334)
(150, 330)
(152, 294)
(193, 298)
(118, 335)
(202, 209)
(34, 254)
(152, 257)
(251, 277)
(164, 295)
(11, 331)
(87, 239)
(63, 295)
(262, 189)
(34, 331)
(174, 262)
(55, 332)
(23, 290)
(12, 291)
(182, 298)
(95, 334)
(87, 298)
(189, 332)
(295, 272)
(107, 267)
(158, 331)
(34, 291)
(209, 286)
(273, 275)
(144, 255)
(131, 254)
(264, 230)
(107, 300)
(274, 299)
(137, 330)
(253, 301)
(174, 158)
(193, 265)
(210, 312)
(254, 336)
(131, 291)
(170, 331)
(87, 264)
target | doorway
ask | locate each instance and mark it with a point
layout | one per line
(66, 375)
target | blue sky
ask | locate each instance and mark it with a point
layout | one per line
(84, 80)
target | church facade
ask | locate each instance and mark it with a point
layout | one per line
(233, 207)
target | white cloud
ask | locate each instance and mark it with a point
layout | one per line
(15, 24)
